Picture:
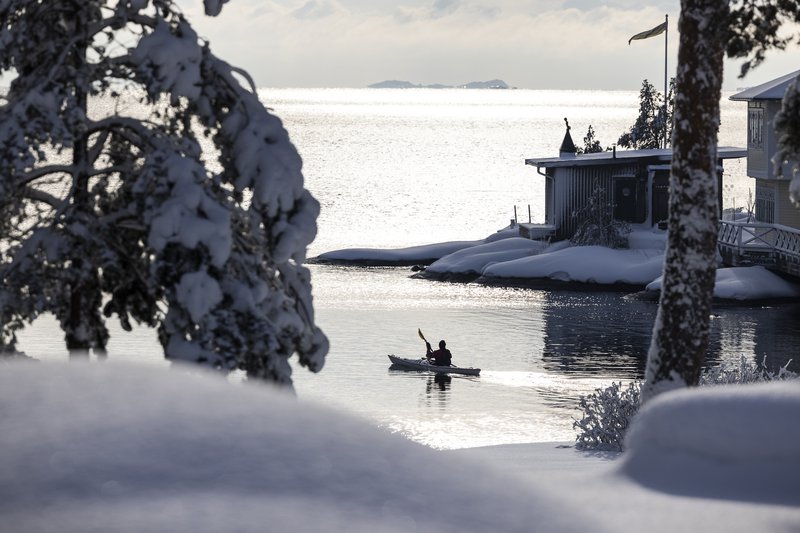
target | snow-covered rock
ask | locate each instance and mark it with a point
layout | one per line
(746, 283)
(413, 255)
(582, 264)
(473, 260)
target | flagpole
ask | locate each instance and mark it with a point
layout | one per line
(666, 34)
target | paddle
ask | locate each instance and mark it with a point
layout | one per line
(421, 336)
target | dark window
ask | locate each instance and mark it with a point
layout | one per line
(755, 128)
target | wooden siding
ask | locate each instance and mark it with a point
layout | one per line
(573, 187)
(787, 214)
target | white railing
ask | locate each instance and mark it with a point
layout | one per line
(759, 239)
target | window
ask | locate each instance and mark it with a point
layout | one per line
(755, 127)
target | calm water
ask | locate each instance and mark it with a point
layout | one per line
(404, 167)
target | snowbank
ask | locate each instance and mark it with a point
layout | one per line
(746, 283)
(109, 447)
(651, 238)
(415, 255)
(583, 264)
(725, 442)
(504, 258)
(473, 261)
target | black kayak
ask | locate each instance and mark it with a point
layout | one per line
(423, 364)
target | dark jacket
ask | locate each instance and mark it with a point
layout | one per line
(441, 357)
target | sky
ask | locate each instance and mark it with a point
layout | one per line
(530, 44)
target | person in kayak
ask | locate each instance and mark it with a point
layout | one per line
(440, 357)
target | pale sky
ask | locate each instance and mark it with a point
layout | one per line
(531, 44)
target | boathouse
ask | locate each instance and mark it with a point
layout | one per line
(773, 238)
(633, 184)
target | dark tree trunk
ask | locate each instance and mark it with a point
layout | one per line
(680, 333)
(76, 329)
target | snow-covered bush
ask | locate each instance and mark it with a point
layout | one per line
(596, 224)
(607, 412)
(745, 372)
(606, 416)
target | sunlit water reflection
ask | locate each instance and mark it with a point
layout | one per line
(398, 168)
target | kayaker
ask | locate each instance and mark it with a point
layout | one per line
(440, 357)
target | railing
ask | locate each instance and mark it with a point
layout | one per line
(760, 243)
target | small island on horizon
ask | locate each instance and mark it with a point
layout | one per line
(399, 84)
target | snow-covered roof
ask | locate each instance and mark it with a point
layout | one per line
(656, 155)
(772, 90)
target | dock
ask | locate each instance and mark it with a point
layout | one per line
(772, 246)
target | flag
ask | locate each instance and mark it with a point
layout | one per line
(658, 30)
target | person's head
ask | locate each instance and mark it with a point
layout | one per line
(442, 344)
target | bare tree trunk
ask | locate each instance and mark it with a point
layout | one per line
(680, 333)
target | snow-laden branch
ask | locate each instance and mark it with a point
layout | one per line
(44, 197)
(212, 255)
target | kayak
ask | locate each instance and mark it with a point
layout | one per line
(423, 364)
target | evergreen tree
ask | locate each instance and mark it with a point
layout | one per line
(590, 144)
(597, 226)
(648, 130)
(192, 218)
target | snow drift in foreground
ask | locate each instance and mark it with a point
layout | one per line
(720, 442)
(746, 283)
(109, 447)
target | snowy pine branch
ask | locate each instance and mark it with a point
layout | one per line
(205, 243)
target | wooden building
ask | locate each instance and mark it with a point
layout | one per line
(633, 184)
(772, 204)
(773, 238)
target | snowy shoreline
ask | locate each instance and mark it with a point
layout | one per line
(507, 260)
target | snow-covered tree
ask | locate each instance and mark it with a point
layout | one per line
(596, 223)
(680, 333)
(590, 144)
(190, 215)
(648, 130)
(708, 29)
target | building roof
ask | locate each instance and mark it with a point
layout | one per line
(772, 90)
(656, 155)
